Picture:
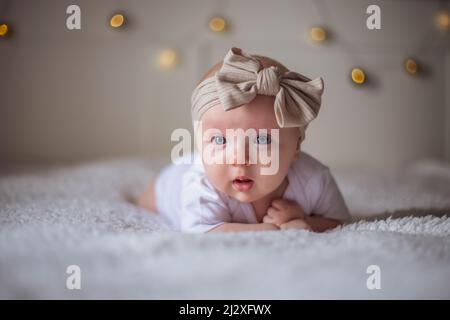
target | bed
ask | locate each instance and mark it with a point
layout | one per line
(55, 217)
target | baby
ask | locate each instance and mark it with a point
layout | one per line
(252, 94)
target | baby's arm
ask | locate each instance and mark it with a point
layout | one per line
(329, 207)
(314, 223)
(237, 227)
(289, 215)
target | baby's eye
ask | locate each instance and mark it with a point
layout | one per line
(218, 140)
(263, 139)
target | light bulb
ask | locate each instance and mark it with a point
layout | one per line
(318, 34)
(217, 24)
(117, 20)
(411, 66)
(3, 29)
(167, 58)
(358, 76)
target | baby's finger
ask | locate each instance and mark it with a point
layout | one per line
(267, 219)
(297, 224)
(271, 212)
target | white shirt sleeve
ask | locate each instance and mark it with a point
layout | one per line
(202, 207)
(330, 203)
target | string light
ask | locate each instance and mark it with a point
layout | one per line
(358, 76)
(168, 59)
(117, 20)
(217, 24)
(3, 30)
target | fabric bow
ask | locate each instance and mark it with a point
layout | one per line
(242, 77)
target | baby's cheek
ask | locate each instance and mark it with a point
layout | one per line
(271, 181)
(215, 175)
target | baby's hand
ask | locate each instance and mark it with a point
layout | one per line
(282, 211)
(296, 224)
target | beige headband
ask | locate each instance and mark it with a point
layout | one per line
(242, 77)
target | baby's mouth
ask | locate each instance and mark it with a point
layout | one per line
(243, 184)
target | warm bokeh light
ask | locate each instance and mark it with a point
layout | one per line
(442, 20)
(411, 66)
(358, 76)
(318, 34)
(217, 24)
(167, 59)
(3, 30)
(117, 20)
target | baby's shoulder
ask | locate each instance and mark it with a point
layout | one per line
(195, 184)
(306, 167)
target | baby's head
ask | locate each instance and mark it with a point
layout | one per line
(258, 97)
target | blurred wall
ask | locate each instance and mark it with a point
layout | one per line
(447, 104)
(80, 95)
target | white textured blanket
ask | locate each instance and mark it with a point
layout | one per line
(50, 219)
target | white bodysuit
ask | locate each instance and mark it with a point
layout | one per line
(188, 201)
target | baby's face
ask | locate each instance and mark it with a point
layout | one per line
(243, 180)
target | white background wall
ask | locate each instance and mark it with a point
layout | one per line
(79, 95)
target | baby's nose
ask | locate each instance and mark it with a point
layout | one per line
(239, 155)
